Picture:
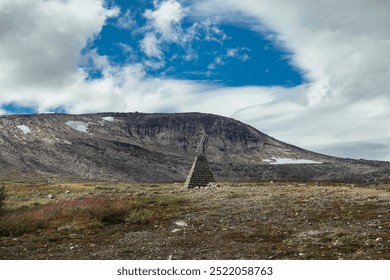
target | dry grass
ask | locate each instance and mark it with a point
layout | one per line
(89, 209)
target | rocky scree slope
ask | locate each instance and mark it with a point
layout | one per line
(160, 147)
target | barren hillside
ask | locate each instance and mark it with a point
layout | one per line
(160, 147)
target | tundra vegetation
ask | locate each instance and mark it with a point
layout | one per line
(235, 220)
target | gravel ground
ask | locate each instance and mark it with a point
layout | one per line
(232, 221)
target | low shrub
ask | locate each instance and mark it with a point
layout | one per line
(140, 216)
(109, 215)
(14, 226)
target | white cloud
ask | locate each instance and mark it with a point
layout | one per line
(41, 42)
(151, 46)
(213, 33)
(166, 19)
(343, 48)
(231, 53)
(126, 21)
(217, 61)
(163, 26)
(126, 48)
(238, 53)
(41, 45)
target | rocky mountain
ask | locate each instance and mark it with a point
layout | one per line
(160, 147)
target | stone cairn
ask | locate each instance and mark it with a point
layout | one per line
(200, 174)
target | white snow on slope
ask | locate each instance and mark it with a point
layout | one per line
(80, 126)
(290, 161)
(109, 119)
(24, 128)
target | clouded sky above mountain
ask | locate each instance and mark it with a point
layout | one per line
(312, 74)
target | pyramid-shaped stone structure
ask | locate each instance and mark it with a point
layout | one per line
(200, 174)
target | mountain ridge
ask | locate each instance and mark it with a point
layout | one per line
(152, 147)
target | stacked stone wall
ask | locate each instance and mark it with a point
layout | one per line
(200, 174)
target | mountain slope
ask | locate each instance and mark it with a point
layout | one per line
(160, 147)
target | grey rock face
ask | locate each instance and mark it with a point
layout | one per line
(159, 147)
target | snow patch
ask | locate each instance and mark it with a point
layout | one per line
(109, 119)
(24, 128)
(290, 161)
(80, 126)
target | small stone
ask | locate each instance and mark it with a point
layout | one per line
(64, 227)
(176, 230)
(50, 196)
(181, 224)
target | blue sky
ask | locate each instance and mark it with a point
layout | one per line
(310, 73)
(226, 54)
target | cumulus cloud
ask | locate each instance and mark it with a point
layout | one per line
(44, 38)
(151, 46)
(41, 48)
(164, 26)
(166, 19)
